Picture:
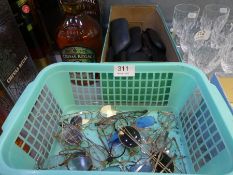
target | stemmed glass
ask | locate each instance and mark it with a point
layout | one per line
(227, 60)
(207, 50)
(214, 17)
(184, 14)
(213, 20)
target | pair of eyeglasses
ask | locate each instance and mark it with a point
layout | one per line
(167, 120)
(82, 119)
(121, 115)
(70, 160)
(112, 152)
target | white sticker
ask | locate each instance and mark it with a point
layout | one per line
(124, 71)
(231, 26)
(192, 15)
(202, 35)
(223, 10)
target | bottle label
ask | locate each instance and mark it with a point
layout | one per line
(78, 54)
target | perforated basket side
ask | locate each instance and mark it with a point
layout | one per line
(37, 135)
(33, 140)
(202, 134)
(145, 89)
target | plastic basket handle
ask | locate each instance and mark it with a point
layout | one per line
(18, 106)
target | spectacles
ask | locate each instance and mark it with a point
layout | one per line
(118, 141)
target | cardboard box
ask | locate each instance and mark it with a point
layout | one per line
(6, 104)
(145, 16)
(16, 65)
(224, 83)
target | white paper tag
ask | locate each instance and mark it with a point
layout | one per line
(124, 71)
(192, 15)
(202, 35)
(223, 10)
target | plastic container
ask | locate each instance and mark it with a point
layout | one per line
(204, 118)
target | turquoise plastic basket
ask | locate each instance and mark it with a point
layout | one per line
(204, 118)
